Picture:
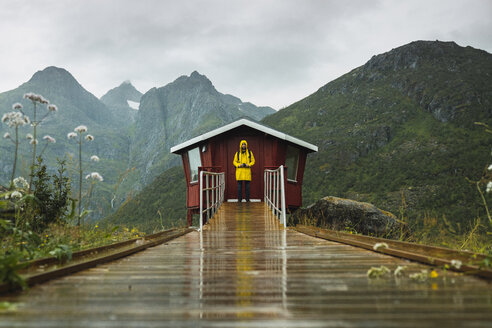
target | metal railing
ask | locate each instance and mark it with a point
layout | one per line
(212, 187)
(275, 192)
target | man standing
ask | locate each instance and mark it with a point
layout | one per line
(243, 160)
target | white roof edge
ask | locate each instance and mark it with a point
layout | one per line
(249, 123)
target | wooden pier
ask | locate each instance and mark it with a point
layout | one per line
(245, 270)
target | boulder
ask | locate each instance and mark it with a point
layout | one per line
(344, 214)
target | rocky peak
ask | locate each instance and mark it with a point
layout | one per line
(121, 94)
(415, 53)
(54, 75)
(196, 75)
(194, 81)
(123, 102)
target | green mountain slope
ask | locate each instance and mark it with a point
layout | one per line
(161, 204)
(133, 145)
(174, 113)
(402, 125)
(76, 106)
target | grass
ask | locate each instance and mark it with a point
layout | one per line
(40, 244)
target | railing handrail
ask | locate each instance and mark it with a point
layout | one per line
(274, 193)
(214, 193)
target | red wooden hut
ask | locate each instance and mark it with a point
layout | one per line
(215, 151)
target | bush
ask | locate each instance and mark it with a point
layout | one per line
(52, 194)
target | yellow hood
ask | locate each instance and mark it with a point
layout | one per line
(243, 142)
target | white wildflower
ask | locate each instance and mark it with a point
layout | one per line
(14, 119)
(489, 186)
(94, 158)
(399, 271)
(36, 98)
(52, 108)
(456, 263)
(50, 139)
(20, 182)
(29, 95)
(72, 135)
(96, 176)
(17, 106)
(419, 276)
(16, 194)
(29, 136)
(6, 135)
(490, 167)
(89, 137)
(81, 129)
(34, 142)
(377, 246)
(380, 272)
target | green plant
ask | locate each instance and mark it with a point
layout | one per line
(35, 122)
(16, 120)
(376, 273)
(52, 194)
(10, 264)
(78, 134)
(63, 253)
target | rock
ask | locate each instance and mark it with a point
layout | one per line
(342, 214)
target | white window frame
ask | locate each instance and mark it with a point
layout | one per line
(289, 168)
(197, 150)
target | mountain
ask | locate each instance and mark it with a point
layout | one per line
(123, 101)
(62, 89)
(133, 145)
(247, 108)
(174, 113)
(161, 203)
(76, 106)
(399, 131)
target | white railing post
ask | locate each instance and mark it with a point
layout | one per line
(214, 189)
(282, 196)
(275, 190)
(201, 200)
(275, 193)
(264, 186)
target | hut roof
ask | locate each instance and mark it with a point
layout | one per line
(233, 125)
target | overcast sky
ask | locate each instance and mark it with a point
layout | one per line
(268, 52)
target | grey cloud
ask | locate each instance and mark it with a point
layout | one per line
(269, 52)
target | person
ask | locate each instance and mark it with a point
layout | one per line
(243, 161)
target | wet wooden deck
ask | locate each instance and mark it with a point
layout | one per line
(245, 270)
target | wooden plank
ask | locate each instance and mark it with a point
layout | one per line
(89, 258)
(432, 255)
(245, 270)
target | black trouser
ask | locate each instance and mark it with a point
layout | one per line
(240, 190)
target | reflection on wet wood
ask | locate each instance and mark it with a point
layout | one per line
(245, 270)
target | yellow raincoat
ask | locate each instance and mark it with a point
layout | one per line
(243, 173)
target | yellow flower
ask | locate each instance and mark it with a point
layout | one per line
(434, 274)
